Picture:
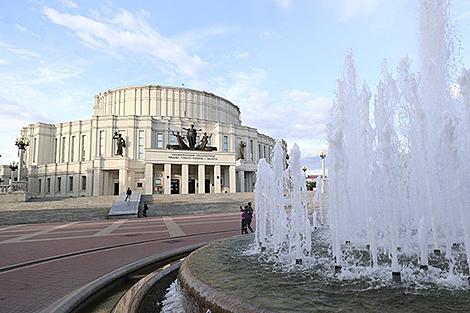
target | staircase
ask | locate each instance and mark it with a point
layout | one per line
(125, 209)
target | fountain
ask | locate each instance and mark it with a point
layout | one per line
(395, 236)
(399, 177)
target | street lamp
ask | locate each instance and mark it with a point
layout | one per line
(21, 143)
(13, 167)
(322, 157)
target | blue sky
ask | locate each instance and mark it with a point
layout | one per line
(277, 59)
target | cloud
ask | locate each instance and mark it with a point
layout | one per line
(348, 9)
(270, 35)
(13, 116)
(129, 32)
(195, 38)
(298, 117)
(3, 61)
(285, 4)
(23, 53)
(69, 4)
(26, 30)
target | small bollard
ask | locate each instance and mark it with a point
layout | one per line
(396, 277)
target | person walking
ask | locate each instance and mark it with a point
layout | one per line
(249, 216)
(243, 222)
(146, 208)
(128, 194)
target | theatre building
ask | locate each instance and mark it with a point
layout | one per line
(82, 158)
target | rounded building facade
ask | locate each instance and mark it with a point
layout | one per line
(81, 158)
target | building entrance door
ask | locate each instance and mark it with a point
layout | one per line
(175, 186)
(191, 186)
(116, 188)
(208, 186)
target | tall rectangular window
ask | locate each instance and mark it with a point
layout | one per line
(141, 144)
(101, 144)
(264, 152)
(55, 150)
(225, 144)
(35, 141)
(172, 139)
(83, 183)
(83, 148)
(59, 184)
(62, 158)
(48, 185)
(39, 185)
(159, 141)
(72, 149)
(251, 149)
(70, 183)
(260, 155)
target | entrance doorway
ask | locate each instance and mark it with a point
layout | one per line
(191, 186)
(207, 186)
(175, 186)
(116, 188)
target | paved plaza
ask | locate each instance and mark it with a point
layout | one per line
(41, 263)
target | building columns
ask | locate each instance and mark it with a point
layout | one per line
(97, 183)
(232, 178)
(201, 178)
(217, 188)
(123, 183)
(241, 179)
(167, 179)
(148, 184)
(184, 178)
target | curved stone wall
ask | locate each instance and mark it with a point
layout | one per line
(202, 297)
(166, 102)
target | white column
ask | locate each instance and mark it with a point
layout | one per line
(184, 178)
(232, 178)
(148, 187)
(167, 179)
(123, 181)
(97, 183)
(201, 178)
(241, 179)
(217, 177)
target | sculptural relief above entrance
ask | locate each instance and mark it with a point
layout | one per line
(188, 142)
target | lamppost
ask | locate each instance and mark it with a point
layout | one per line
(13, 167)
(21, 143)
(323, 156)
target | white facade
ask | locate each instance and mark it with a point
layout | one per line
(79, 158)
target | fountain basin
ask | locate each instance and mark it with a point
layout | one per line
(224, 277)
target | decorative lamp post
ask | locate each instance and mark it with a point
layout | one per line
(323, 156)
(21, 143)
(13, 167)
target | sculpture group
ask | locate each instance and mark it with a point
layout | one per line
(189, 142)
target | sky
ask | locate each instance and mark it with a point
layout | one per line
(278, 60)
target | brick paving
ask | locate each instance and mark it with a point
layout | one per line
(31, 288)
